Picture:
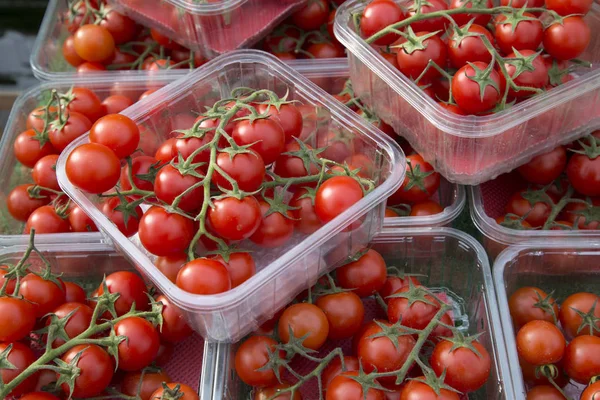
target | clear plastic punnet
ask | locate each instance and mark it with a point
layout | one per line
(469, 149)
(283, 272)
(563, 267)
(331, 75)
(192, 362)
(212, 27)
(487, 203)
(455, 264)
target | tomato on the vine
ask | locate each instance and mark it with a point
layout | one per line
(569, 7)
(171, 265)
(430, 24)
(364, 276)
(21, 357)
(568, 39)
(426, 208)
(95, 370)
(163, 233)
(78, 322)
(536, 214)
(581, 361)
(472, 96)
(145, 384)
(235, 219)
(275, 228)
(86, 102)
(74, 293)
(343, 387)
(420, 183)
(140, 347)
(45, 294)
(376, 16)
(76, 125)
(304, 319)
(413, 306)
(204, 276)
(252, 356)
(265, 136)
(462, 50)
(584, 174)
(47, 220)
(170, 183)
(21, 204)
(93, 168)
(545, 168)
(535, 76)
(417, 390)
(94, 43)
(572, 322)
(525, 34)
(28, 148)
(413, 60)
(116, 103)
(120, 213)
(345, 312)
(336, 195)
(117, 132)
(246, 169)
(529, 304)
(181, 392)
(17, 319)
(303, 211)
(540, 343)
(312, 15)
(334, 368)
(463, 19)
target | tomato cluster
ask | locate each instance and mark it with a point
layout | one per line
(470, 69)
(308, 33)
(101, 39)
(416, 196)
(408, 349)
(51, 127)
(563, 190)
(62, 342)
(555, 343)
(241, 172)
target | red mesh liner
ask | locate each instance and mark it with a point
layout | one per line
(496, 193)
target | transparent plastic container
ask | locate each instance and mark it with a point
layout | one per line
(12, 173)
(487, 202)
(282, 272)
(456, 264)
(566, 266)
(192, 361)
(331, 75)
(211, 27)
(471, 150)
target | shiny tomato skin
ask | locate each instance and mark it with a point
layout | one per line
(235, 219)
(290, 166)
(69, 53)
(416, 315)
(415, 390)
(148, 383)
(567, 40)
(96, 370)
(80, 221)
(540, 343)
(140, 347)
(536, 78)
(165, 234)
(93, 168)
(86, 102)
(116, 103)
(184, 391)
(275, 229)
(174, 327)
(127, 228)
(269, 393)
(326, 50)
(377, 16)
(414, 64)
(425, 209)
(20, 357)
(305, 218)
(467, 92)
(28, 150)
(584, 174)
(77, 323)
(364, 276)
(94, 43)
(345, 313)
(591, 392)
(522, 306)
(46, 220)
(204, 276)
(288, 116)
(544, 392)
(581, 361)
(463, 19)
(571, 321)
(568, 7)
(39, 396)
(312, 15)
(140, 166)
(241, 267)
(251, 356)
(336, 195)
(536, 215)
(131, 289)
(395, 283)
(74, 293)
(266, 134)
(304, 319)
(117, 132)
(470, 48)
(44, 172)
(527, 35)
(17, 317)
(343, 387)
(167, 151)
(90, 67)
(44, 295)
(20, 204)
(545, 168)
(247, 169)
(334, 368)
(170, 183)
(171, 265)
(430, 24)
(466, 371)
(122, 28)
(415, 194)
(77, 124)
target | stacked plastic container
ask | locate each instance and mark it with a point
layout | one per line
(284, 272)
(565, 267)
(452, 262)
(193, 359)
(468, 149)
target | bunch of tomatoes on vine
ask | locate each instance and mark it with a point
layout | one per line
(416, 197)
(562, 189)
(308, 33)
(243, 175)
(475, 58)
(557, 343)
(370, 331)
(102, 39)
(57, 342)
(51, 127)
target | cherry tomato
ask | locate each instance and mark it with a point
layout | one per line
(131, 289)
(44, 172)
(303, 212)
(174, 327)
(170, 183)
(544, 392)
(413, 63)
(95, 370)
(395, 283)
(35, 119)
(116, 103)
(78, 322)
(364, 276)
(470, 48)
(167, 151)
(536, 215)
(377, 16)
(303, 319)
(142, 170)
(163, 40)
(581, 360)
(571, 214)
(39, 396)
(527, 35)
(20, 357)
(94, 43)
(287, 115)
(290, 166)
(187, 146)
(46, 220)
(275, 229)
(416, 390)
(181, 392)
(77, 124)
(534, 78)
(467, 92)
(20, 204)
(240, 266)
(69, 53)
(28, 149)
(430, 24)
(247, 169)
(117, 132)
(141, 345)
(45, 295)
(425, 209)
(335, 196)
(171, 265)
(343, 387)
(204, 276)
(134, 383)
(163, 233)
(122, 28)
(17, 319)
(127, 222)
(527, 304)
(74, 293)
(383, 354)
(591, 392)
(326, 50)
(235, 219)
(568, 39)
(466, 370)
(80, 221)
(417, 314)
(540, 343)
(90, 67)
(334, 368)
(86, 102)
(570, 320)
(93, 167)
(266, 134)
(345, 313)
(251, 357)
(463, 19)
(545, 168)
(270, 393)
(419, 185)
(10, 286)
(311, 16)
(568, 7)
(584, 174)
